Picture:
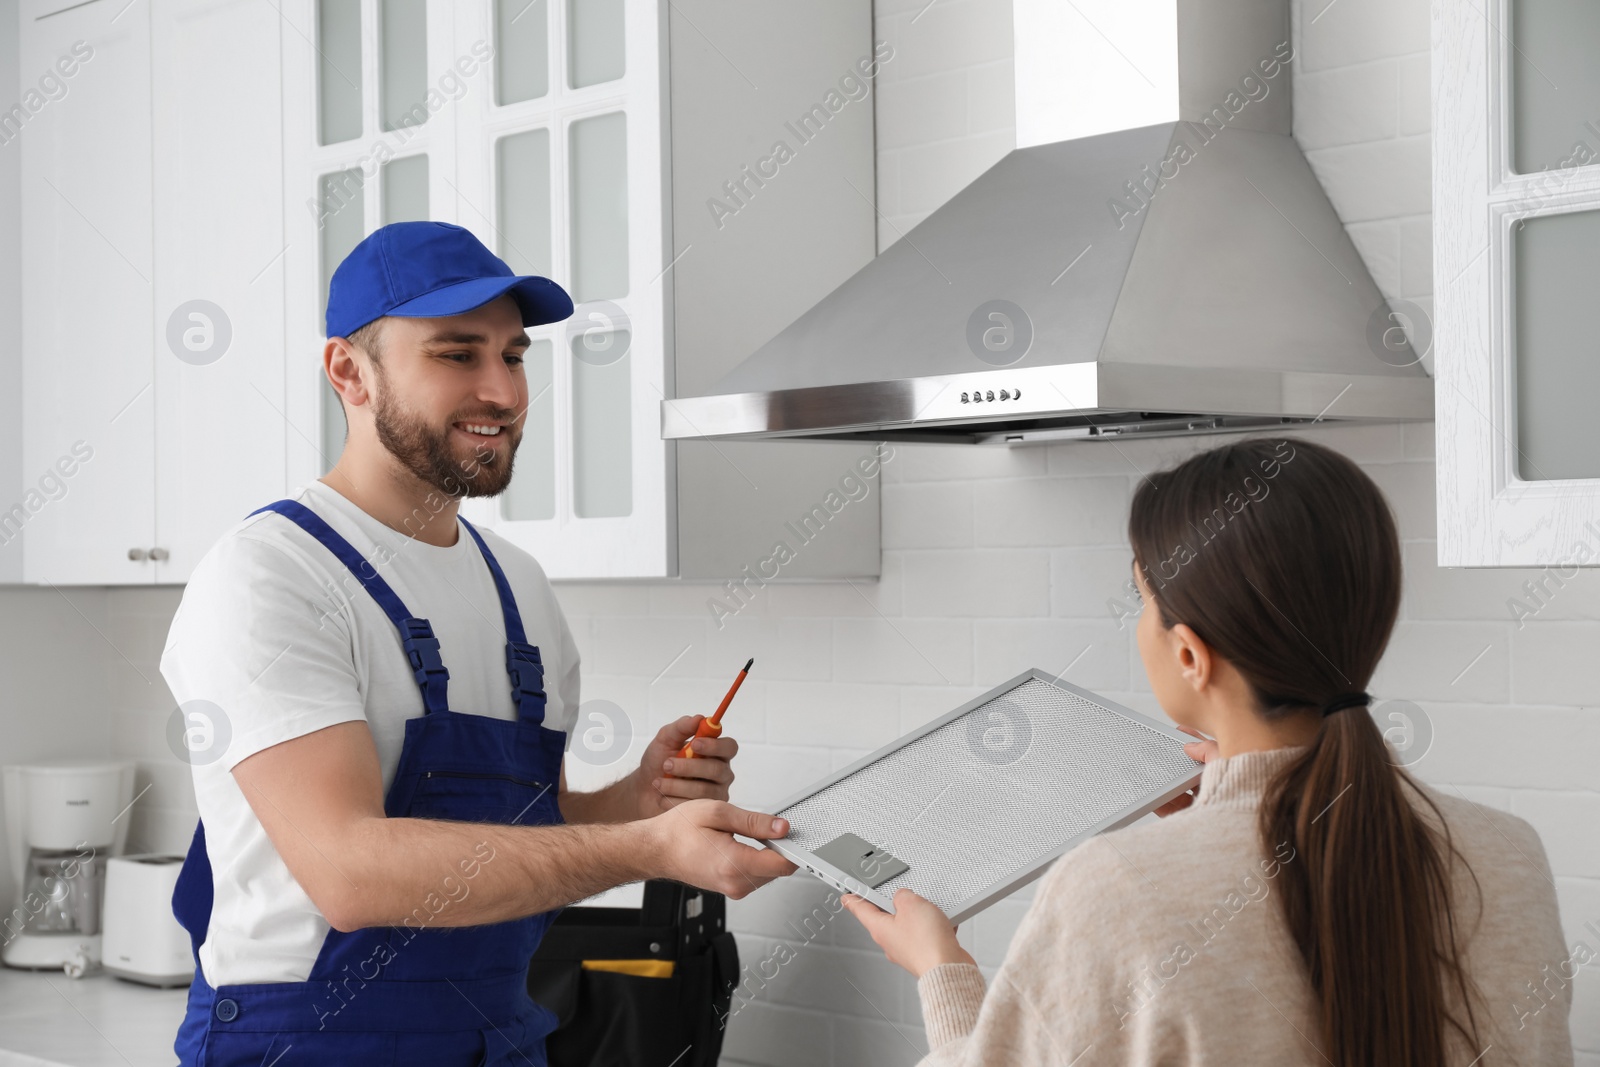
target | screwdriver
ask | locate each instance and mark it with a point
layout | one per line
(712, 727)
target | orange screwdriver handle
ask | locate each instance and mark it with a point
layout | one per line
(712, 727)
(707, 729)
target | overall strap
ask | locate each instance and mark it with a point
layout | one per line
(416, 635)
(522, 659)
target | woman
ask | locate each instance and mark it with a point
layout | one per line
(1407, 927)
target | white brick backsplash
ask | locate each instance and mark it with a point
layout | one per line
(1337, 33)
(139, 735)
(672, 698)
(1416, 94)
(994, 927)
(1556, 663)
(949, 34)
(168, 830)
(852, 597)
(1380, 246)
(937, 463)
(1053, 511)
(1585, 1019)
(1364, 444)
(777, 1037)
(139, 688)
(920, 705)
(992, 99)
(1347, 105)
(932, 173)
(878, 1042)
(1410, 490)
(688, 599)
(1346, 173)
(1434, 592)
(768, 774)
(810, 979)
(1426, 304)
(882, 9)
(648, 647)
(1419, 440)
(988, 583)
(1416, 257)
(1091, 654)
(164, 783)
(1489, 796)
(798, 649)
(602, 599)
(1580, 910)
(1566, 822)
(794, 909)
(1084, 580)
(1128, 458)
(1486, 744)
(927, 515)
(844, 757)
(832, 715)
(923, 651)
(1448, 661)
(923, 110)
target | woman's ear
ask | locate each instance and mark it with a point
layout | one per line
(1194, 656)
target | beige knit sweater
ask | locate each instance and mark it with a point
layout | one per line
(1163, 943)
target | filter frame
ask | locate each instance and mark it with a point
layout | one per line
(1172, 787)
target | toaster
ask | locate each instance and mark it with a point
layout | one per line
(141, 940)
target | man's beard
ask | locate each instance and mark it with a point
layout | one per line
(430, 455)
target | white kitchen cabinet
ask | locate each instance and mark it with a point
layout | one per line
(584, 140)
(87, 318)
(153, 281)
(1516, 213)
(221, 431)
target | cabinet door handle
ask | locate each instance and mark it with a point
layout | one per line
(137, 554)
(158, 554)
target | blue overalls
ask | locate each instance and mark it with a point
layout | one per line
(415, 993)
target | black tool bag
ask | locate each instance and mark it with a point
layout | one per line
(613, 1019)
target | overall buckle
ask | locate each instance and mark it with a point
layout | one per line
(527, 678)
(422, 650)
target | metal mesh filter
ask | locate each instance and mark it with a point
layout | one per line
(995, 791)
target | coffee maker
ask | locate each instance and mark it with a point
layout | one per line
(63, 821)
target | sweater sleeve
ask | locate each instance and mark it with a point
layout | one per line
(951, 995)
(1050, 1001)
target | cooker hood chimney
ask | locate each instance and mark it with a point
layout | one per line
(1155, 257)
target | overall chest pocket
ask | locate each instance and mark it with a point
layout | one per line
(471, 796)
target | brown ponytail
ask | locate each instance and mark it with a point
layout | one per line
(1282, 556)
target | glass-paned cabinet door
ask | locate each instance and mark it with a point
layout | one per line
(563, 162)
(1516, 159)
(370, 110)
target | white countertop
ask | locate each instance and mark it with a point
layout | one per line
(50, 1020)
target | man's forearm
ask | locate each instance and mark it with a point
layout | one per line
(423, 872)
(617, 802)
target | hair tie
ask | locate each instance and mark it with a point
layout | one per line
(1345, 700)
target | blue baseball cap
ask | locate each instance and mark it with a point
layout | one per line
(429, 269)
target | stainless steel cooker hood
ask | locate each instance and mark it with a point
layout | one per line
(1172, 277)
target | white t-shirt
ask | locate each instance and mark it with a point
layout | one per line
(283, 640)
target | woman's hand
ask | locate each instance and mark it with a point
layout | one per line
(1201, 751)
(917, 937)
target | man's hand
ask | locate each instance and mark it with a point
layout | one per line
(694, 843)
(665, 780)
